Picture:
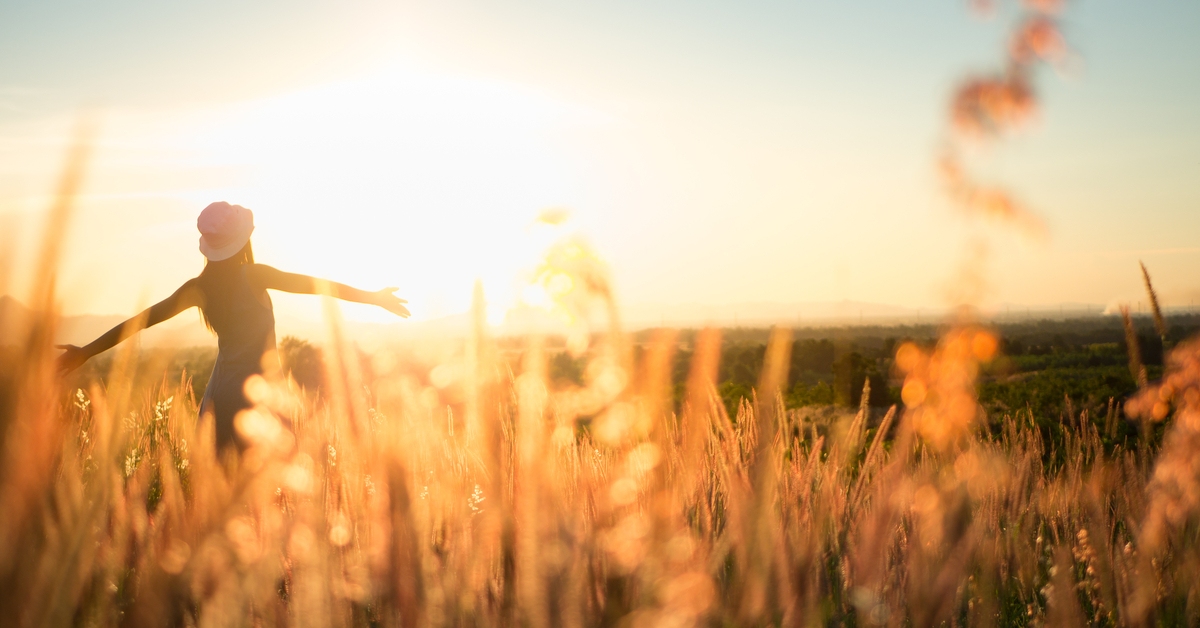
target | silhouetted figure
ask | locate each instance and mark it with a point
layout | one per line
(231, 293)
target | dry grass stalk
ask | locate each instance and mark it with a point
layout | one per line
(1136, 368)
(1160, 324)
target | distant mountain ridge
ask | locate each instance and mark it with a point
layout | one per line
(188, 329)
(758, 313)
(16, 319)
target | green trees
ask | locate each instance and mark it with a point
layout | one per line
(850, 371)
(303, 361)
(817, 375)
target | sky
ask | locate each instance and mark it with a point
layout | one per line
(711, 153)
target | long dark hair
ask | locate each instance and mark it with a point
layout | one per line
(217, 273)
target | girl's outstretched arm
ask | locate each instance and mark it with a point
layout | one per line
(188, 295)
(275, 279)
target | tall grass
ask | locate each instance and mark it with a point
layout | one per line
(480, 493)
(490, 497)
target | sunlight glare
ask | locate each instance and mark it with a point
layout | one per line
(404, 178)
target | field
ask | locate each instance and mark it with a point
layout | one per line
(511, 483)
(1010, 473)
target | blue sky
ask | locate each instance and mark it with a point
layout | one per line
(715, 152)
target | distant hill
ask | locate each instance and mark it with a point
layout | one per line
(16, 319)
(762, 313)
(188, 330)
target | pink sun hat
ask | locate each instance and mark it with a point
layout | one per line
(224, 230)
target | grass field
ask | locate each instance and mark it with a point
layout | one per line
(485, 492)
(958, 475)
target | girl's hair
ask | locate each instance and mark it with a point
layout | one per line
(217, 273)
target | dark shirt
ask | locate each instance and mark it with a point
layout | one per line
(244, 321)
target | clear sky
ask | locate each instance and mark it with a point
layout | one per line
(711, 152)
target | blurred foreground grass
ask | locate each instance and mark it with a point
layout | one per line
(483, 492)
(480, 491)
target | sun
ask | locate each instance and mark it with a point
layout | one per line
(405, 177)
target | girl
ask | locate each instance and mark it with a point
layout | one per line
(232, 296)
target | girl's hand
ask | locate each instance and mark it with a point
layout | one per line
(390, 302)
(72, 358)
